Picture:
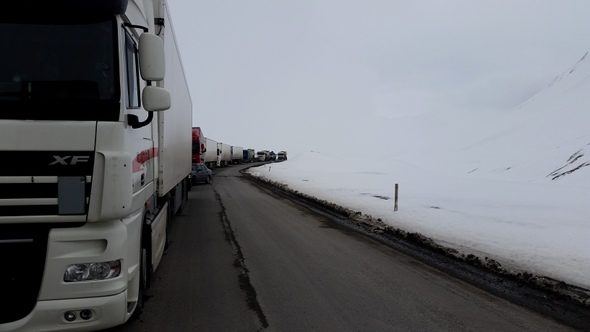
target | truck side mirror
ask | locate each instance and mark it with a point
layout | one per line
(152, 64)
(155, 99)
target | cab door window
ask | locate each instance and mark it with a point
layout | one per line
(132, 72)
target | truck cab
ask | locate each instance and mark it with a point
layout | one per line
(282, 155)
(199, 147)
(263, 155)
(86, 183)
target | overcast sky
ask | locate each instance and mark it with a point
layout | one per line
(316, 74)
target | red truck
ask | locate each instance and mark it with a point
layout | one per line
(198, 146)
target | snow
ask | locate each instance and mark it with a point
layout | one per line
(510, 184)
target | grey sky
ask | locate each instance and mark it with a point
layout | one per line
(313, 74)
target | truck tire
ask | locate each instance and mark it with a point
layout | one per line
(169, 218)
(186, 188)
(170, 209)
(142, 285)
(144, 275)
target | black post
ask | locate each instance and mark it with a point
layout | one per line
(395, 199)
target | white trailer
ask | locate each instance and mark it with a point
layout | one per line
(224, 154)
(237, 154)
(211, 153)
(98, 164)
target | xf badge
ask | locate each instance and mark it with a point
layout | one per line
(69, 160)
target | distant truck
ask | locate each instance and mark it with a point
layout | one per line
(237, 154)
(199, 147)
(95, 144)
(263, 155)
(211, 152)
(249, 155)
(282, 155)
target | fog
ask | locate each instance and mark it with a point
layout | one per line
(338, 75)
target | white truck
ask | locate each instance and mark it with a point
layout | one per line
(237, 154)
(211, 152)
(93, 164)
(282, 155)
(263, 155)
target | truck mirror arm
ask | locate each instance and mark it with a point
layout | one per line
(134, 122)
(129, 25)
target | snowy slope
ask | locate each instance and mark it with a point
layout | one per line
(544, 134)
(511, 185)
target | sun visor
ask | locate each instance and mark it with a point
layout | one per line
(59, 10)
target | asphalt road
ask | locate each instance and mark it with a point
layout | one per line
(242, 259)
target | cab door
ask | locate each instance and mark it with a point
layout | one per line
(140, 139)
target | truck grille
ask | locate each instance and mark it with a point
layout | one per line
(45, 183)
(34, 199)
(23, 250)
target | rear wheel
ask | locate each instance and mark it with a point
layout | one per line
(169, 219)
(183, 195)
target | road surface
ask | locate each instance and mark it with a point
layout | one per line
(242, 259)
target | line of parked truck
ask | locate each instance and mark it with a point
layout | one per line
(217, 154)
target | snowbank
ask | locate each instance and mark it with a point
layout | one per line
(514, 187)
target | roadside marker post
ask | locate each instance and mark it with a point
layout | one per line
(395, 199)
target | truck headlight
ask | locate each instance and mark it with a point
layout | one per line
(92, 271)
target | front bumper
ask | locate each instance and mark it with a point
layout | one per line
(107, 311)
(106, 299)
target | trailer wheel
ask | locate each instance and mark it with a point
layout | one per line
(170, 210)
(183, 197)
(187, 188)
(169, 218)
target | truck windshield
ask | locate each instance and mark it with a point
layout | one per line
(66, 71)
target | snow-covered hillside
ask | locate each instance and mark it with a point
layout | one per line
(511, 184)
(545, 138)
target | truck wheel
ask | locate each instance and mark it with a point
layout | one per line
(169, 218)
(184, 196)
(144, 280)
(170, 211)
